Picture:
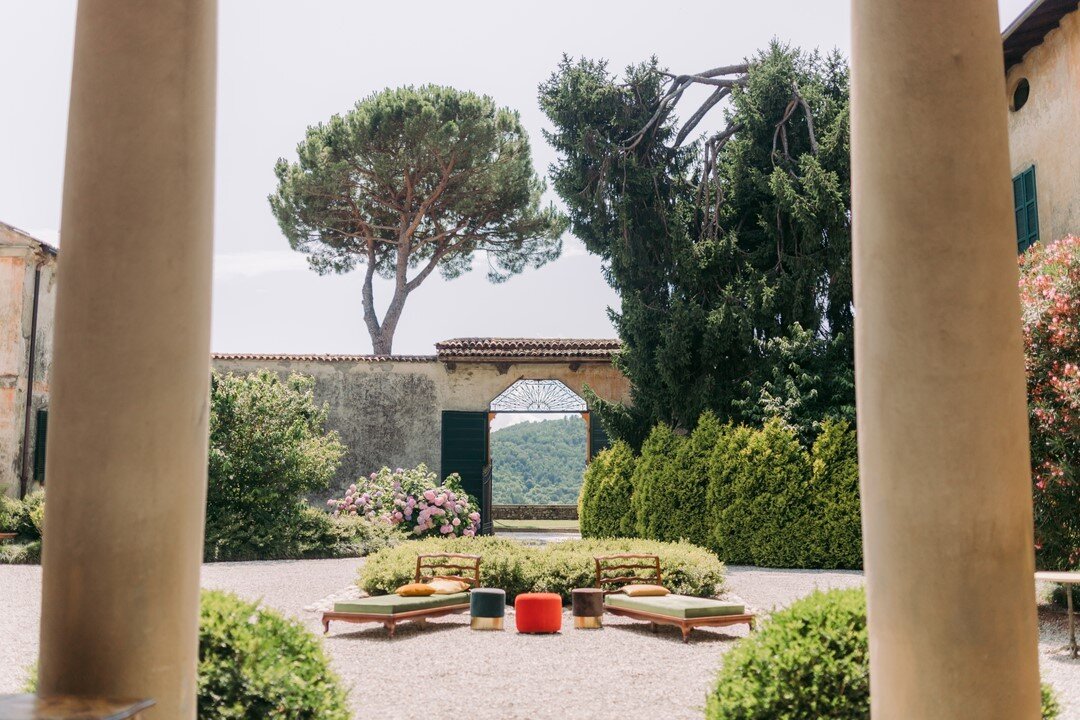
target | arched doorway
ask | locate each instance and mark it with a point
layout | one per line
(466, 437)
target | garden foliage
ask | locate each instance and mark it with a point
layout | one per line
(412, 500)
(268, 449)
(416, 179)
(753, 496)
(809, 661)
(255, 664)
(25, 518)
(557, 567)
(734, 283)
(1050, 303)
(604, 506)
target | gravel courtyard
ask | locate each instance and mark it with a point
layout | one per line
(622, 671)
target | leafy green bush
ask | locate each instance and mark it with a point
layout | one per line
(809, 661)
(268, 449)
(604, 506)
(759, 495)
(25, 518)
(254, 664)
(654, 478)
(558, 567)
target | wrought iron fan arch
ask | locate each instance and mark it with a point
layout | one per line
(530, 396)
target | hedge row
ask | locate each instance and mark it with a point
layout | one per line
(753, 496)
(556, 567)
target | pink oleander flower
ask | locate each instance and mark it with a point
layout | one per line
(429, 495)
(456, 522)
(446, 529)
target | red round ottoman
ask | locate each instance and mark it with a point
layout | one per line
(538, 613)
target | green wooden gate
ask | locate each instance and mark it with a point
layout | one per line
(598, 437)
(465, 452)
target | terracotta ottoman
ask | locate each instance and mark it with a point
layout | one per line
(538, 613)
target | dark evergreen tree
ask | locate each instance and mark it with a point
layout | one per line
(731, 253)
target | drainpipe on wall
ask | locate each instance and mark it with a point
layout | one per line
(24, 477)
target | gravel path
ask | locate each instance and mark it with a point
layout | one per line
(621, 671)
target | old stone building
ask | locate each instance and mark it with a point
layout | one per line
(27, 295)
(1042, 80)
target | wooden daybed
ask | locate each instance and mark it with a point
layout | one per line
(613, 572)
(389, 610)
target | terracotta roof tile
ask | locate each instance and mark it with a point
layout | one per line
(324, 358)
(541, 348)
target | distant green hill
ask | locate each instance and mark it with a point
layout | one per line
(538, 463)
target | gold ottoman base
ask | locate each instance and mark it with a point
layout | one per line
(482, 623)
(589, 623)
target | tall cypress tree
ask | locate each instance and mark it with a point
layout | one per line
(731, 252)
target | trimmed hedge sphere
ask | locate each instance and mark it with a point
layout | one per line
(809, 661)
(255, 664)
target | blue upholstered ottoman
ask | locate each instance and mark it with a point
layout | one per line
(488, 608)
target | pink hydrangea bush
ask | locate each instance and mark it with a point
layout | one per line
(413, 500)
(1050, 300)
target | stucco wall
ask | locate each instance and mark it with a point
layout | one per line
(19, 256)
(1043, 132)
(390, 413)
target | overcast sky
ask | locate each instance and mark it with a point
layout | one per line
(287, 64)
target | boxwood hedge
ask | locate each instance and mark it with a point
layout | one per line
(557, 567)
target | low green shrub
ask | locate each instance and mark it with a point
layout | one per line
(604, 505)
(25, 518)
(16, 553)
(311, 533)
(557, 567)
(809, 661)
(254, 663)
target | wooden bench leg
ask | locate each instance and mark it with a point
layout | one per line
(686, 633)
(325, 626)
(390, 625)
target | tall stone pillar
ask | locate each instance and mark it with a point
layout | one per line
(943, 441)
(128, 418)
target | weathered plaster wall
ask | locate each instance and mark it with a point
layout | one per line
(390, 412)
(1043, 132)
(19, 256)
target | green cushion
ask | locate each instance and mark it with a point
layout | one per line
(393, 604)
(683, 607)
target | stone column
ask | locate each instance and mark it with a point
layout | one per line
(128, 422)
(943, 441)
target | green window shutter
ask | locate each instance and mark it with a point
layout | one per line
(40, 435)
(465, 451)
(598, 437)
(1026, 209)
